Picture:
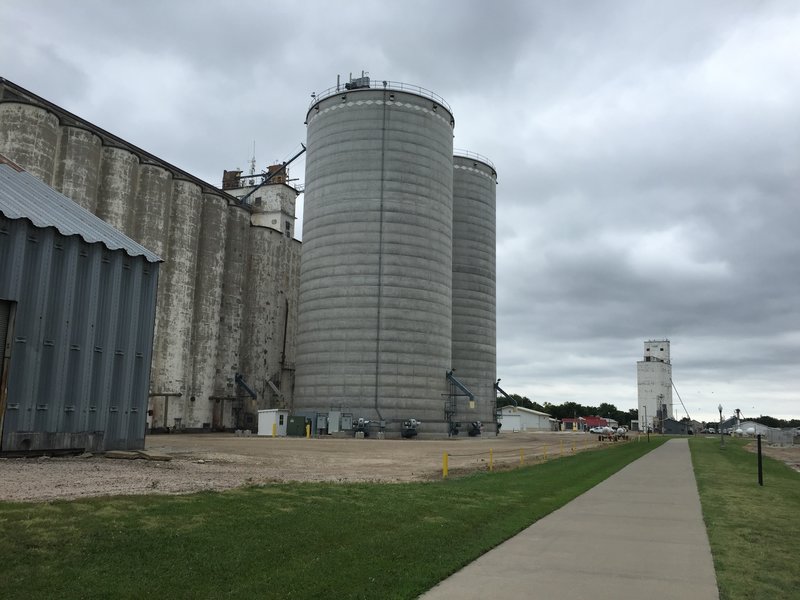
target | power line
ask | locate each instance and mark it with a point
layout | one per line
(679, 398)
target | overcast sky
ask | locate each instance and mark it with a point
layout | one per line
(648, 155)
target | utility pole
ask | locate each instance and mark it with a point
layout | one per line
(721, 437)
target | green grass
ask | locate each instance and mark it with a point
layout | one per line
(754, 531)
(287, 540)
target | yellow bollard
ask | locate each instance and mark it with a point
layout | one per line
(274, 429)
(491, 460)
(308, 431)
(444, 465)
(573, 446)
(521, 456)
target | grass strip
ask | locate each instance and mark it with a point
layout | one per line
(754, 531)
(285, 540)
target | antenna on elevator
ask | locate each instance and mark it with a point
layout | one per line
(253, 160)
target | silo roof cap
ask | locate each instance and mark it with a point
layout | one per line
(381, 84)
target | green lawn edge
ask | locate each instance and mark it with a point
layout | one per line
(294, 540)
(754, 531)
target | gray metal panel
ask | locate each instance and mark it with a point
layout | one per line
(22, 196)
(5, 310)
(474, 281)
(80, 355)
(375, 281)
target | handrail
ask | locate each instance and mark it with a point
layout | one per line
(379, 84)
(475, 155)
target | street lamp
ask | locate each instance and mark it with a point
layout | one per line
(721, 438)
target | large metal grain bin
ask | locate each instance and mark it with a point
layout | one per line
(374, 323)
(474, 282)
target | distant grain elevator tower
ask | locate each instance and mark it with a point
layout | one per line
(654, 378)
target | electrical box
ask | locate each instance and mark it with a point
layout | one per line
(296, 426)
(322, 423)
(334, 421)
(347, 422)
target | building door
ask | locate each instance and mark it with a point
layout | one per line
(6, 322)
(217, 414)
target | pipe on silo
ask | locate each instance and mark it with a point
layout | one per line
(119, 182)
(374, 314)
(77, 170)
(474, 281)
(29, 136)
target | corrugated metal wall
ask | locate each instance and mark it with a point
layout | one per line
(82, 343)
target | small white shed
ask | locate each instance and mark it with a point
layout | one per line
(276, 417)
(518, 418)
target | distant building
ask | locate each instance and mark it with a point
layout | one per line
(513, 418)
(574, 424)
(595, 421)
(654, 381)
(77, 312)
(673, 427)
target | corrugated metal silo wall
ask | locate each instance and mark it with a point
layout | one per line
(82, 341)
(474, 283)
(374, 316)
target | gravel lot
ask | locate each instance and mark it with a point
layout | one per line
(223, 461)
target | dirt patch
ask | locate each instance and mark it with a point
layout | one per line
(223, 461)
(787, 454)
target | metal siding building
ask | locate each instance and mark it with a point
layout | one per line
(77, 310)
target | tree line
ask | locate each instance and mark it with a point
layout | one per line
(572, 410)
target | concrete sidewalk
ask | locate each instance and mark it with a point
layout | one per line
(639, 534)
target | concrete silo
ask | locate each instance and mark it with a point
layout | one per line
(374, 310)
(474, 283)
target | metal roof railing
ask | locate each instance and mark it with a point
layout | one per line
(474, 155)
(380, 84)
